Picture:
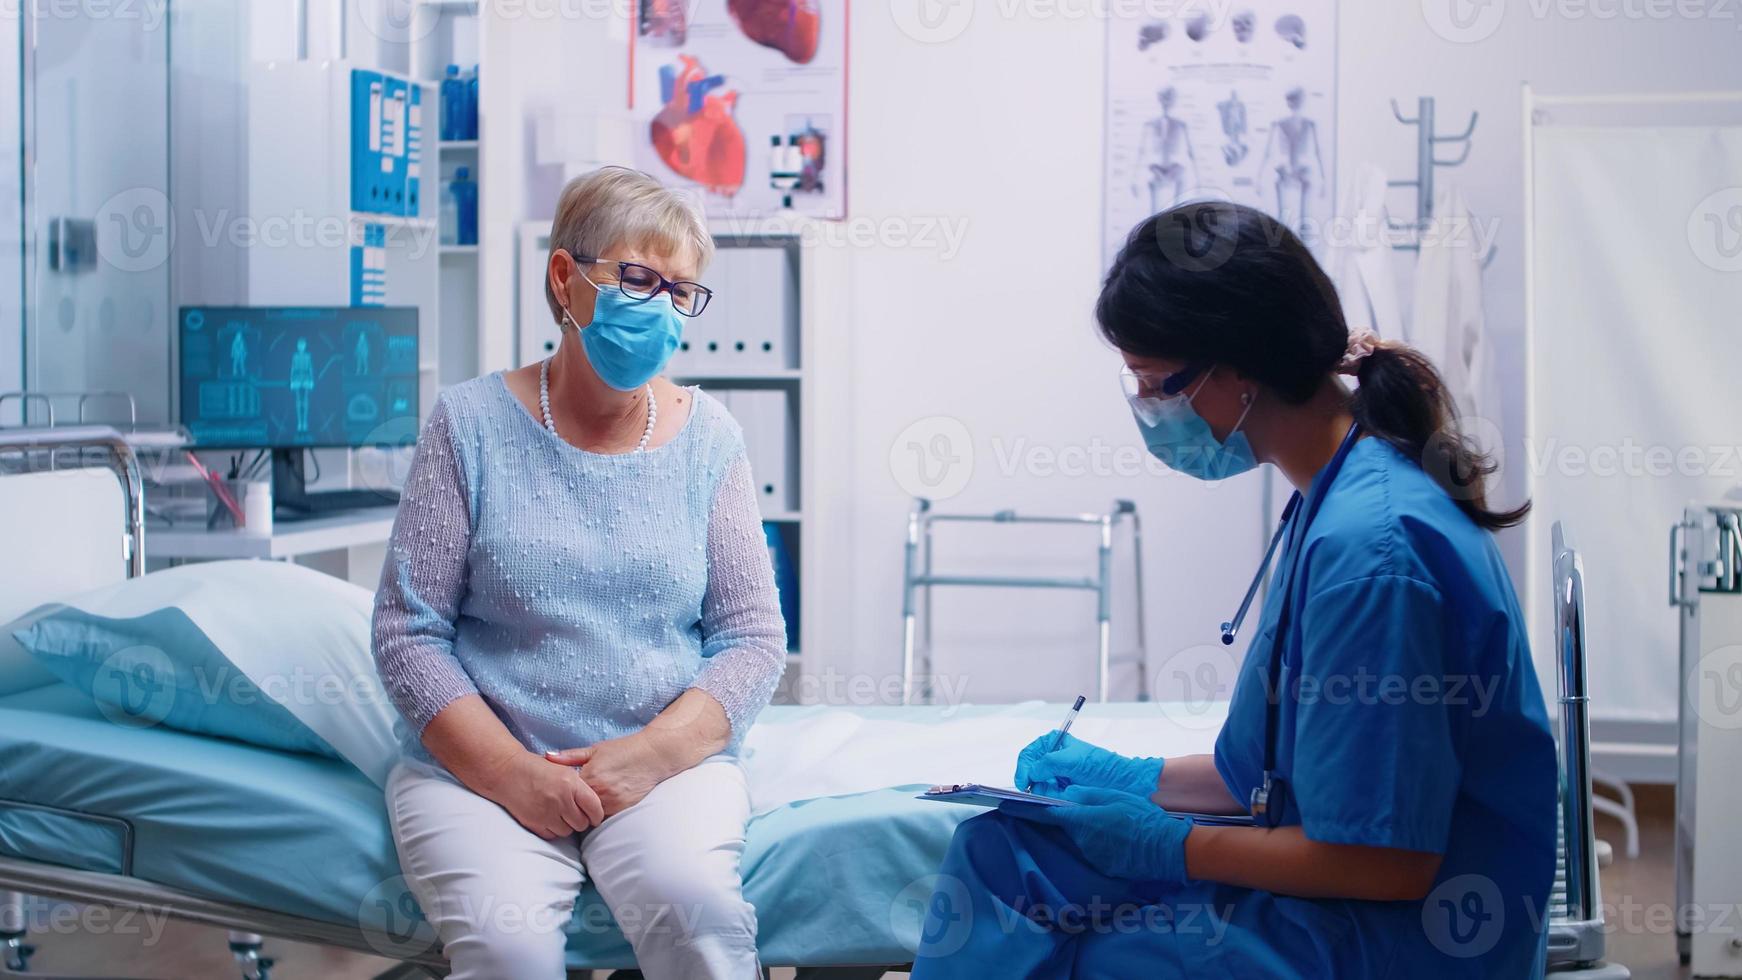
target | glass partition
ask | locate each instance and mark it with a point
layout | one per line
(96, 223)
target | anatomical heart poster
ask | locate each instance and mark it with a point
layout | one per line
(745, 102)
(1223, 99)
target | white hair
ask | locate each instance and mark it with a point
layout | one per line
(617, 206)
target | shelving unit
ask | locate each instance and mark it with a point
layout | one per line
(447, 32)
(776, 299)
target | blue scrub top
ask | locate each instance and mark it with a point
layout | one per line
(1410, 718)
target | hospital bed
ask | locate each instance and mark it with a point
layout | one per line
(840, 859)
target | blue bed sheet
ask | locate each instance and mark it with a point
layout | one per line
(839, 880)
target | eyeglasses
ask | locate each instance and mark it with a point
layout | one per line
(1137, 385)
(641, 284)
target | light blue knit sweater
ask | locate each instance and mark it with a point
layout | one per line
(579, 593)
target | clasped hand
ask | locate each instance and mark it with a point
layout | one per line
(574, 790)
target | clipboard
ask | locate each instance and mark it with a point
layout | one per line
(973, 794)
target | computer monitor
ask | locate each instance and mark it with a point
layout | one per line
(292, 378)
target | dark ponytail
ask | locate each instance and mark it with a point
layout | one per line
(1223, 283)
(1403, 400)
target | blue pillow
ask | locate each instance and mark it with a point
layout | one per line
(159, 668)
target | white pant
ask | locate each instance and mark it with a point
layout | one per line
(499, 895)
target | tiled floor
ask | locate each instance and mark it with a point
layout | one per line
(1646, 886)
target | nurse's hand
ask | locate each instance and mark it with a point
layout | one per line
(1041, 770)
(1120, 835)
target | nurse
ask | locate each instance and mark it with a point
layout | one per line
(1386, 732)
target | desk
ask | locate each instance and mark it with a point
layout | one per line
(289, 539)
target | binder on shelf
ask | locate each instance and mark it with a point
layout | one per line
(369, 265)
(413, 150)
(754, 313)
(396, 113)
(765, 325)
(782, 551)
(698, 350)
(383, 162)
(365, 140)
(769, 440)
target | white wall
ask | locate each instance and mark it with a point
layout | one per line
(998, 131)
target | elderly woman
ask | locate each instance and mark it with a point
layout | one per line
(578, 622)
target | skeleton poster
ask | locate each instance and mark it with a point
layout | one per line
(1226, 99)
(744, 101)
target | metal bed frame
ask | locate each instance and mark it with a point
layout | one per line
(106, 446)
(1575, 943)
(1575, 940)
(247, 925)
(918, 578)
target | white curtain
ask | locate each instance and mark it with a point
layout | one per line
(1636, 380)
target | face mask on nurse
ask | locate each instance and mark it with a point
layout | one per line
(1177, 435)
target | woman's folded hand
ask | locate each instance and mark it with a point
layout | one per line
(551, 801)
(620, 770)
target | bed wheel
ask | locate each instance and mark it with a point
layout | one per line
(246, 948)
(16, 952)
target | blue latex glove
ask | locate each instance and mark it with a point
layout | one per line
(1121, 835)
(1041, 770)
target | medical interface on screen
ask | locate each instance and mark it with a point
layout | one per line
(286, 377)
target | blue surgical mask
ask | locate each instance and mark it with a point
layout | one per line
(630, 341)
(1178, 436)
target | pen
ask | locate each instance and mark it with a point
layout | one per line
(1058, 738)
(1065, 728)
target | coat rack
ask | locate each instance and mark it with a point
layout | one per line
(1427, 160)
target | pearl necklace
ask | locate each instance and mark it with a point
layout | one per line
(550, 423)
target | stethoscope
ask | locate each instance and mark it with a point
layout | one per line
(1270, 798)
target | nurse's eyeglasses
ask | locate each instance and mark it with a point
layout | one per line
(640, 283)
(1136, 385)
